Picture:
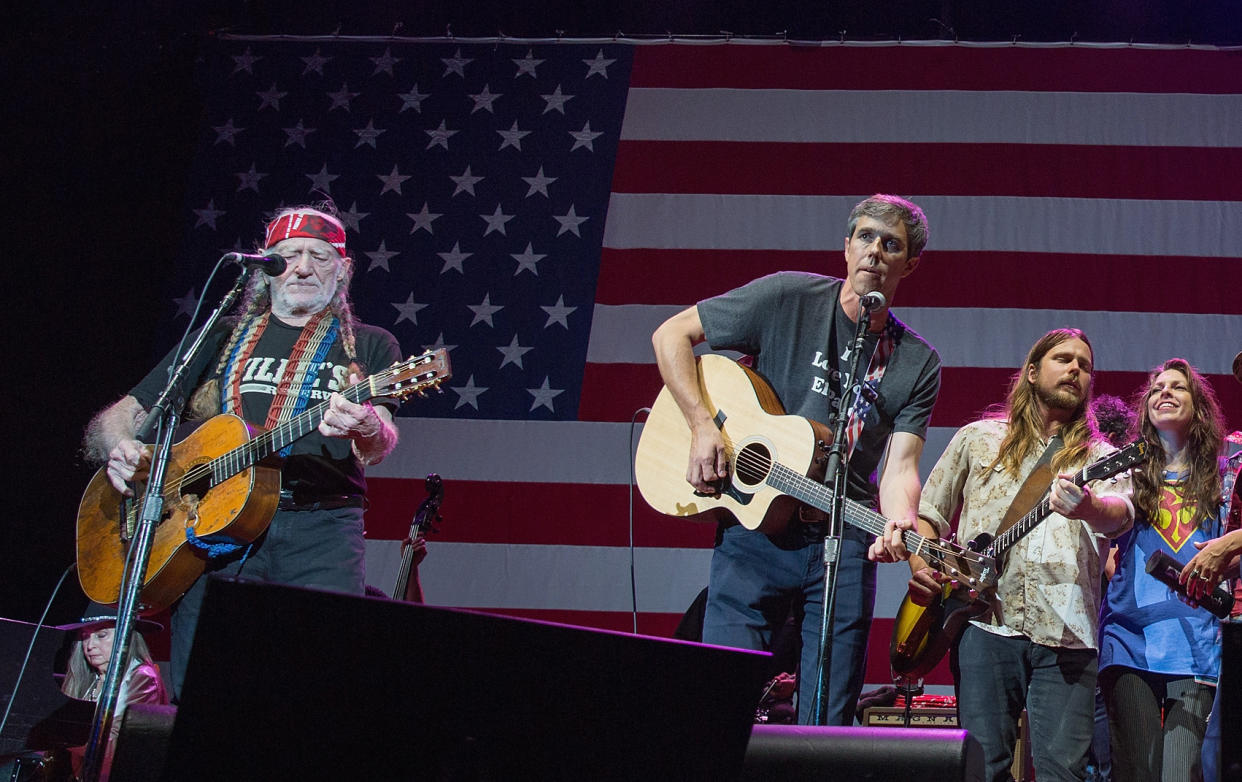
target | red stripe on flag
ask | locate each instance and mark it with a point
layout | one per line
(1011, 170)
(611, 392)
(1113, 283)
(530, 513)
(834, 67)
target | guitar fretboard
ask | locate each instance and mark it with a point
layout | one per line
(267, 443)
(819, 496)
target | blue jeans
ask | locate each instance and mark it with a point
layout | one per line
(757, 580)
(323, 549)
(997, 676)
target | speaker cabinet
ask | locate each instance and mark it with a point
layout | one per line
(288, 683)
(795, 753)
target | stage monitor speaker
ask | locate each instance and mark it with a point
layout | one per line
(795, 753)
(288, 683)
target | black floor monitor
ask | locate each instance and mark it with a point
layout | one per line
(289, 683)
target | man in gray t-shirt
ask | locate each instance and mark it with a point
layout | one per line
(799, 328)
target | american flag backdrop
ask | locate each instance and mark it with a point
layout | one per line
(540, 207)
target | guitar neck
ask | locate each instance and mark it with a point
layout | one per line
(279, 437)
(1031, 520)
(819, 496)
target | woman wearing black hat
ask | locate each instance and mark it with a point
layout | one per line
(88, 664)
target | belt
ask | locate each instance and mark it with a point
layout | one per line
(291, 501)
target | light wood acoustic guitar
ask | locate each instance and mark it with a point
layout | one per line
(776, 465)
(223, 480)
(923, 634)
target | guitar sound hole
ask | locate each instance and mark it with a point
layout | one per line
(754, 462)
(198, 487)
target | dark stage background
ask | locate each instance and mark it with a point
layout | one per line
(103, 119)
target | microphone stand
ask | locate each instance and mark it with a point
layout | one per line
(162, 418)
(836, 476)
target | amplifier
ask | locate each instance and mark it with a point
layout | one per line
(920, 717)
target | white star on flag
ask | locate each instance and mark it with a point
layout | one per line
(271, 98)
(207, 215)
(315, 62)
(439, 136)
(483, 312)
(411, 100)
(512, 354)
(496, 221)
(538, 183)
(392, 181)
(544, 395)
(226, 132)
(456, 64)
(468, 394)
(368, 134)
(384, 62)
(558, 313)
(465, 183)
(570, 222)
(341, 98)
(243, 61)
(408, 309)
(527, 260)
(598, 65)
(423, 219)
(555, 100)
(527, 64)
(380, 257)
(584, 137)
(484, 100)
(322, 180)
(512, 137)
(297, 135)
(454, 259)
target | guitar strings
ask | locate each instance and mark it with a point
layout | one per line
(767, 466)
(243, 455)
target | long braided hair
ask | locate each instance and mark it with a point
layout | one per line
(1026, 425)
(1205, 440)
(257, 300)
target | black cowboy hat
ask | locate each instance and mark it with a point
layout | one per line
(99, 615)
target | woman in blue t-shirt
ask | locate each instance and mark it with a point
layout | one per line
(1159, 656)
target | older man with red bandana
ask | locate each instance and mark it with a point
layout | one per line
(293, 343)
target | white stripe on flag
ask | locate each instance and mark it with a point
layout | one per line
(993, 223)
(969, 117)
(980, 337)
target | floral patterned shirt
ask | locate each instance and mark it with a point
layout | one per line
(1049, 589)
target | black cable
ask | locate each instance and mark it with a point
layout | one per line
(633, 576)
(21, 673)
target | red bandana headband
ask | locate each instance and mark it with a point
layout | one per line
(308, 225)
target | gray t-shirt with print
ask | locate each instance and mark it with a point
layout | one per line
(793, 326)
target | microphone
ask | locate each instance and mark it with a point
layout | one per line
(1166, 569)
(272, 264)
(872, 301)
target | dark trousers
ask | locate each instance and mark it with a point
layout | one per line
(756, 580)
(998, 676)
(323, 549)
(1145, 747)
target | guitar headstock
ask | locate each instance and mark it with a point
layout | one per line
(414, 375)
(972, 569)
(1118, 461)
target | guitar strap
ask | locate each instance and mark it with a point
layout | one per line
(1034, 488)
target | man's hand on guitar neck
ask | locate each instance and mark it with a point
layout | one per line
(890, 547)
